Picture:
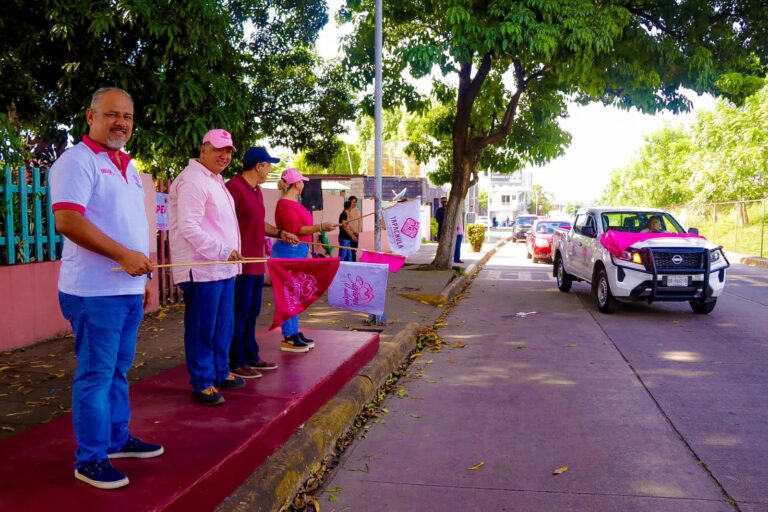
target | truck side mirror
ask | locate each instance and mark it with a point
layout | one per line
(693, 231)
(588, 231)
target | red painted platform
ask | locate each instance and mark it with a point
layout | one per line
(209, 451)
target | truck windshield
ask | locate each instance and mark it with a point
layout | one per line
(641, 222)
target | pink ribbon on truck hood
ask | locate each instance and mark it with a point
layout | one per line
(616, 242)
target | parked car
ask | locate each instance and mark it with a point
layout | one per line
(538, 242)
(521, 226)
(630, 254)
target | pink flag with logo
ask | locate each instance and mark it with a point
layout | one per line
(360, 287)
(403, 223)
(298, 282)
(393, 261)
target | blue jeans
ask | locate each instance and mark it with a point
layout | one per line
(245, 350)
(209, 322)
(457, 249)
(105, 343)
(285, 250)
(346, 254)
(355, 244)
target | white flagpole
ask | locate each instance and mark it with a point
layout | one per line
(378, 123)
(379, 37)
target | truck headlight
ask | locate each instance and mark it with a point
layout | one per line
(717, 259)
(632, 256)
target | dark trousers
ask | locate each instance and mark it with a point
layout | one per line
(209, 319)
(457, 249)
(355, 244)
(245, 350)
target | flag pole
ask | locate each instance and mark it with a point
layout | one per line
(379, 38)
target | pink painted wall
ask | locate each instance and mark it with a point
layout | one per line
(32, 314)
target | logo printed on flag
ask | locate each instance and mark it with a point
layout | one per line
(360, 287)
(297, 288)
(297, 283)
(410, 227)
(357, 291)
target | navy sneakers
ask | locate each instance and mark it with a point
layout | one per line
(101, 475)
(135, 448)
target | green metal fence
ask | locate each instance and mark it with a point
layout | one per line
(27, 230)
(739, 226)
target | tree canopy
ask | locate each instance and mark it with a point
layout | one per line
(510, 66)
(722, 157)
(248, 66)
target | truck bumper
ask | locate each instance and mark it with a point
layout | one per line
(632, 285)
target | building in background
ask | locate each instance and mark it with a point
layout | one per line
(508, 194)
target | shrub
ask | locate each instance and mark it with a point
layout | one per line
(433, 229)
(476, 236)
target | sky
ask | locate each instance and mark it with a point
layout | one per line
(603, 138)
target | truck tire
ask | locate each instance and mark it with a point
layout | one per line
(564, 279)
(606, 303)
(702, 308)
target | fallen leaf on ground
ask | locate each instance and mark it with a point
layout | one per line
(476, 466)
(8, 429)
(458, 344)
(335, 489)
(3, 368)
(560, 470)
(415, 416)
(333, 497)
(418, 354)
(315, 504)
(452, 361)
(572, 345)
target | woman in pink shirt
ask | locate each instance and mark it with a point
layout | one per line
(292, 217)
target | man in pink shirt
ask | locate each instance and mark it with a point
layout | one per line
(244, 357)
(203, 228)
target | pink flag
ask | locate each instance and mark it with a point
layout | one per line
(359, 287)
(616, 242)
(298, 282)
(394, 261)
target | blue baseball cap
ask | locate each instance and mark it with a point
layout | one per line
(256, 155)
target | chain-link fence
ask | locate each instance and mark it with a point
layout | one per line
(738, 226)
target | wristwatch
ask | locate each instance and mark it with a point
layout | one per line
(279, 233)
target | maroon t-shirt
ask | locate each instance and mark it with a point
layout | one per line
(249, 207)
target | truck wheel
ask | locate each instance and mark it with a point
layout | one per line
(702, 308)
(535, 260)
(564, 279)
(606, 303)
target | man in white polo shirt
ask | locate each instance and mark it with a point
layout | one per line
(98, 205)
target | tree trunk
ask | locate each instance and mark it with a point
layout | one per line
(462, 170)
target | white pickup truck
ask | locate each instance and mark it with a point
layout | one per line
(630, 254)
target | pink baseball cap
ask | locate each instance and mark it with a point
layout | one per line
(219, 138)
(292, 175)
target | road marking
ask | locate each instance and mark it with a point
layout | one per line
(515, 275)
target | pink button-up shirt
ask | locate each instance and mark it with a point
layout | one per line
(203, 225)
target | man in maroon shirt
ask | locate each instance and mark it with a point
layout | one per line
(244, 357)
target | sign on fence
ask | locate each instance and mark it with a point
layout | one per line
(162, 201)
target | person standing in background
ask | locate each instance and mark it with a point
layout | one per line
(346, 234)
(440, 215)
(356, 222)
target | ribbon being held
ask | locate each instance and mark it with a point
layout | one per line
(359, 287)
(298, 282)
(616, 242)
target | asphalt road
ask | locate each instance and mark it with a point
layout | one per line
(650, 409)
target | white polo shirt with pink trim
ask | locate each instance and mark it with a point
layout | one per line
(108, 192)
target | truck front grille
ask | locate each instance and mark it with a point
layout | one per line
(671, 259)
